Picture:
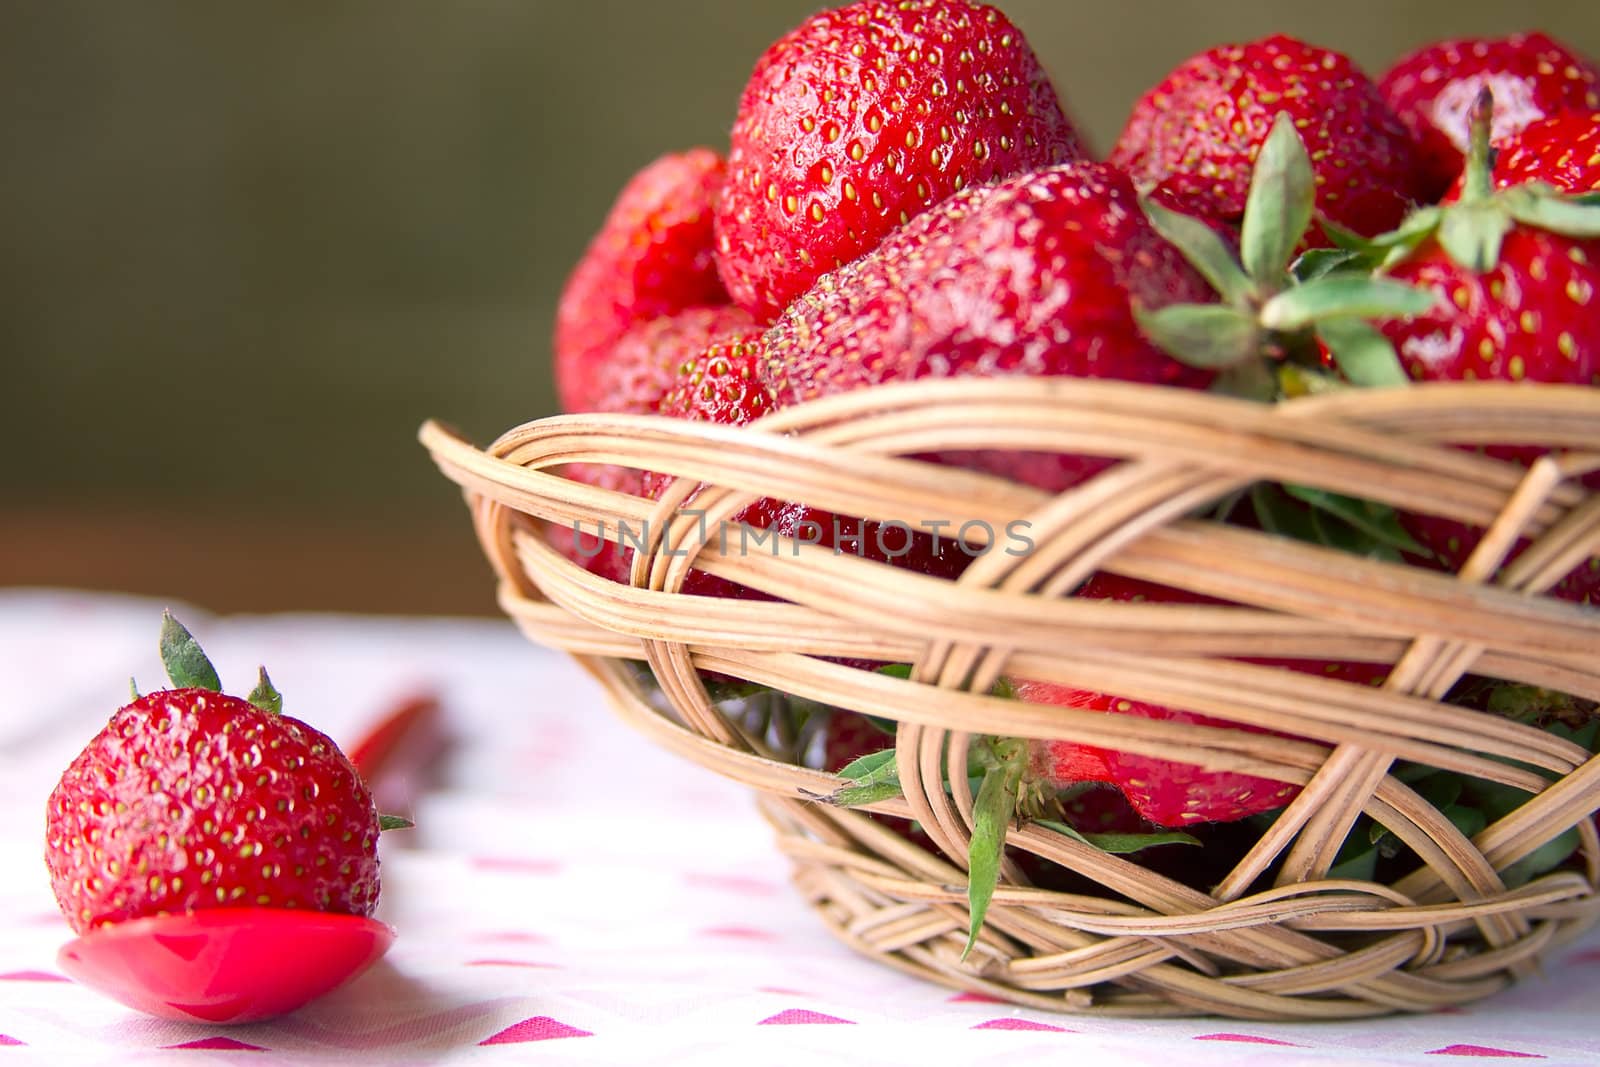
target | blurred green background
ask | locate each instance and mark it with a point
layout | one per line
(245, 249)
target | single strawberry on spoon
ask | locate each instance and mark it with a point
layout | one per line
(217, 858)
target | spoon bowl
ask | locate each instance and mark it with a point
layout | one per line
(225, 965)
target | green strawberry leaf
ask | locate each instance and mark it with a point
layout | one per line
(1320, 262)
(873, 777)
(264, 695)
(1224, 509)
(1364, 356)
(992, 812)
(1335, 533)
(862, 766)
(724, 690)
(1516, 702)
(186, 664)
(133, 687)
(1281, 516)
(1558, 713)
(896, 670)
(1492, 802)
(1586, 736)
(1121, 844)
(1279, 205)
(1470, 821)
(1356, 860)
(394, 822)
(1547, 857)
(1204, 249)
(1343, 296)
(1441, 790)
(1496, 800)
(1568, 216)
(1349, 241)
(1202, 335)
(1387, 248)
(1378, 521)
(1412, 773)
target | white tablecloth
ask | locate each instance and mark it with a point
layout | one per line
(571, 894)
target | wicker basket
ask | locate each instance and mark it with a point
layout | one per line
(1306, 946)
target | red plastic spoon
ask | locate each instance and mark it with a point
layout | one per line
(225, 965)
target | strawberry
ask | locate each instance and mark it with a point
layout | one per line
(1161, 791)
(1514, 274)
(864, 116)
(1165, 793)
(1038, 275)
(643, 364)
(1283, 318)
(652, 258)
(1433, 89)
(192, 799)
(722, 384)
(1197, 133)
(641, 367)
(1529, 317)
(725, 385)
(1562, 151)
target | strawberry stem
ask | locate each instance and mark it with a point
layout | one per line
(185, 662)
(1477, 182)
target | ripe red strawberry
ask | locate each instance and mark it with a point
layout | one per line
(1513, 302)
(1531, 317)
(1161, 791)
(641, 367)
(652, 258)
(1199, 131)
(864, 116)
(1562, 151)
(643, 364)
(725, 385)
(1038, 275)
(722, 384)
(191, 799)
(1433, 89)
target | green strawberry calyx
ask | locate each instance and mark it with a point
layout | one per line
(1472, 229)
(185, 661)
(997, 769)
(188, 667)
(1276, 308)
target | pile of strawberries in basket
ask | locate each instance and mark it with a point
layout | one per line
(904, 196)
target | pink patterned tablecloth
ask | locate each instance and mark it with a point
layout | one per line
(571, 894)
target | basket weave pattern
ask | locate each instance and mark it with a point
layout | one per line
(1293, 945)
